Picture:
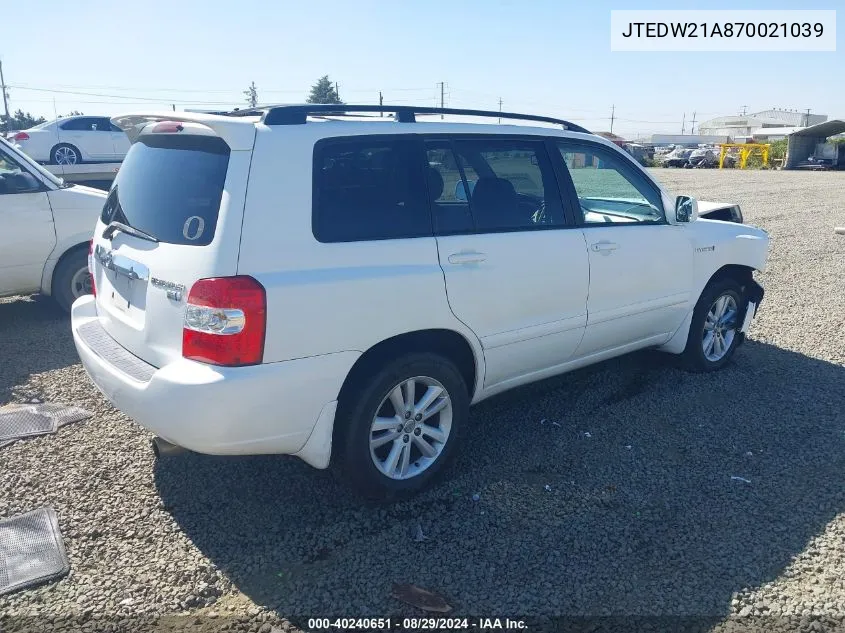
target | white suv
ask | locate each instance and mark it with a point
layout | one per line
(301, 281)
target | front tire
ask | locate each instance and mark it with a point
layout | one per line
(71, 279)
(714, 330)
(400, 429)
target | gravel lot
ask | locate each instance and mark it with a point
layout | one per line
(625, 509)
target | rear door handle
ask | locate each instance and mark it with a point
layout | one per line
(604, 247)
(467, 257)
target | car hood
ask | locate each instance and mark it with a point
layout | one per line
(77, 197)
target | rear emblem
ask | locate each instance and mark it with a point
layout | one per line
(174, 290)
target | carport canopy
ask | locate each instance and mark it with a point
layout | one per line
(802, 143)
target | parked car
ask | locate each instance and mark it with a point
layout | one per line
(47, 227)
(74, 140)
(702, 158)
(678, 157)
(288, 284)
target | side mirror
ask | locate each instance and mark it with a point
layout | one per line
(686, 208)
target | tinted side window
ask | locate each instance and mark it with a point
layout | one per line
(78, 125)
(102, 124)
(368, 188)
(446, 186)
(609, 188)
(515, 187)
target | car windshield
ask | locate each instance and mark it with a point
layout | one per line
(20, 157)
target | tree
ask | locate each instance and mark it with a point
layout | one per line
(20, 120)
(251, 95)
(73, 113)
(323, 92)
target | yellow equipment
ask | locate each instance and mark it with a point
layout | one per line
(745, 150)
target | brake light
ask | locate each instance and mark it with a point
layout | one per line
(225, 321)
(167, 127)
(91, 266)
(21, 136)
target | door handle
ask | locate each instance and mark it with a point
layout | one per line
(467, 257)
(604, 247)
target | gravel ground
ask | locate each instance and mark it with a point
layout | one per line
(627, 508)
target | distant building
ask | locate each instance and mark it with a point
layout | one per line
(686, 140)
(744, 127)
(613, 138)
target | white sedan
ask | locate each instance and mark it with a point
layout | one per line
(73, 140)
(47, 226)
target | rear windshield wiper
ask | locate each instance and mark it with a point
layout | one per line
(115, 226)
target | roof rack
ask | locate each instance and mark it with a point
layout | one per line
(298, 114)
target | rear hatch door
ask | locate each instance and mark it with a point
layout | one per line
(173, 216)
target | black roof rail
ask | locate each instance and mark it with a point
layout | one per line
(298, 114)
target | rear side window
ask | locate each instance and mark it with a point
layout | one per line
(170, 186)
(368, 188)
(78, 125)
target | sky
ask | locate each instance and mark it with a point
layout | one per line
(539, 56)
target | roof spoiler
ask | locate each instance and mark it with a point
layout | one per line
(236, 132)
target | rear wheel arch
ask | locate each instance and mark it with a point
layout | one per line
(447, 343)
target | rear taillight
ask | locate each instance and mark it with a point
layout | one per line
(21, 136)
(91, 266)
(225, 321)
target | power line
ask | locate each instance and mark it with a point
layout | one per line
(95, 94)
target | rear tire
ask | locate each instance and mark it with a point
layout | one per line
(65, 154)
(71, 279)
(714, 331)
(388, 450)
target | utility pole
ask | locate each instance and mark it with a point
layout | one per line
(744, 110)
(692, 127)
(380, 102)
(173, 105)
(500, 108)
(806, 124)
(336, 91)
(612, 116)
(683, 122)
(5, 102)
(441, 96)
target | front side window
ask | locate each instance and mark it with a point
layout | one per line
(368, 189)
(14, 178)
(102, 125)
(493, 184)
(609, 188)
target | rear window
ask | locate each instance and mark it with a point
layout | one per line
(170, 187)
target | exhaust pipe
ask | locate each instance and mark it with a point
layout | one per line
(163, 448)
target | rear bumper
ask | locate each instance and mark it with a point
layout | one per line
(269, 408)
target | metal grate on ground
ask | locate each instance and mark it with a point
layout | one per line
(31, 550)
